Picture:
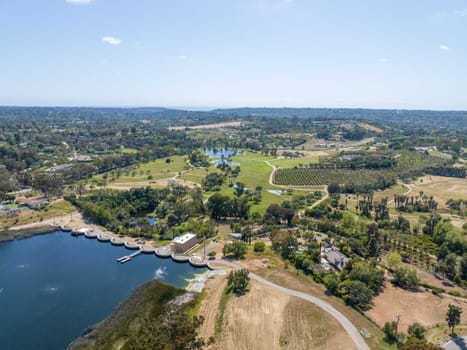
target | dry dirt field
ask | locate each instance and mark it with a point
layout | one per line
(422, 307)
(210, 305)
(265, 319)
(441, 188)
(124, 186)
(209, 126)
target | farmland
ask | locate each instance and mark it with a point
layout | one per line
(409, 165)
(318, 177)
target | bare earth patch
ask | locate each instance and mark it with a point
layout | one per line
(422, 307)
(209, 126)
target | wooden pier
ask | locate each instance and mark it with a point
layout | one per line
(127, 258)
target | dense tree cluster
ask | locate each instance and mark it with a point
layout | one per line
(237, 281)
(118, 210)
(357, 284)
(223, 207)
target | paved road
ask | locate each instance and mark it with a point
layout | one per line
(456, 344)
(344, 321)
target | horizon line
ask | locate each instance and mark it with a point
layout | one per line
(214, 108)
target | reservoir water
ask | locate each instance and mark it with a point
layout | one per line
(52, 287)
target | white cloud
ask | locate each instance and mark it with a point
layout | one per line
(182, 57)
(111, 40)
(383, 60)
(444, 47)
(79, 2)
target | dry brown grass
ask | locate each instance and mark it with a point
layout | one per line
(422, 307)
(210, 305)
(441, 188)
(209, 126)
(265, 319)
(308, 327)
(371, 127)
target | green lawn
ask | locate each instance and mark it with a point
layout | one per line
(129, 150)
(290, 163)
(439, 154)
(158, 169)
(390, 192)
(255, 172)
(198, 174)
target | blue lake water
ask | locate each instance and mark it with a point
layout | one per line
(151, 220)
(219, 153)
(54, 286)
(220, 161)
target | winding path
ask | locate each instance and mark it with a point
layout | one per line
(351, 330)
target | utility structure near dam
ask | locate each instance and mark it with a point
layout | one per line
(184, 243)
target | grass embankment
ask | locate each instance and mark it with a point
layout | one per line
(115, 331)
(55, 209)
(222, 305)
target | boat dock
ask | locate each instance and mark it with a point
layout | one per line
(127, 258)
(160, 252)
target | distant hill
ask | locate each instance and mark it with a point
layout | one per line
(446, 119)
(453, 120)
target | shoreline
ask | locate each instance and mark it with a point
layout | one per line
(10, 234)
(79, 222)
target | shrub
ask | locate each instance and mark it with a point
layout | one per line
(259, 247)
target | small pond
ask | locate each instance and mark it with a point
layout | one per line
(219, 153)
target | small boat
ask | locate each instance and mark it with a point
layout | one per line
(1, 290)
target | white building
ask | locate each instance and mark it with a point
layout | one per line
(184, 243)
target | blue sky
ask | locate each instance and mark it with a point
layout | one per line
(228, 53)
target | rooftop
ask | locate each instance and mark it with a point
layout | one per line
(183, 239)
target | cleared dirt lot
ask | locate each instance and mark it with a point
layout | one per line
(422, 307)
